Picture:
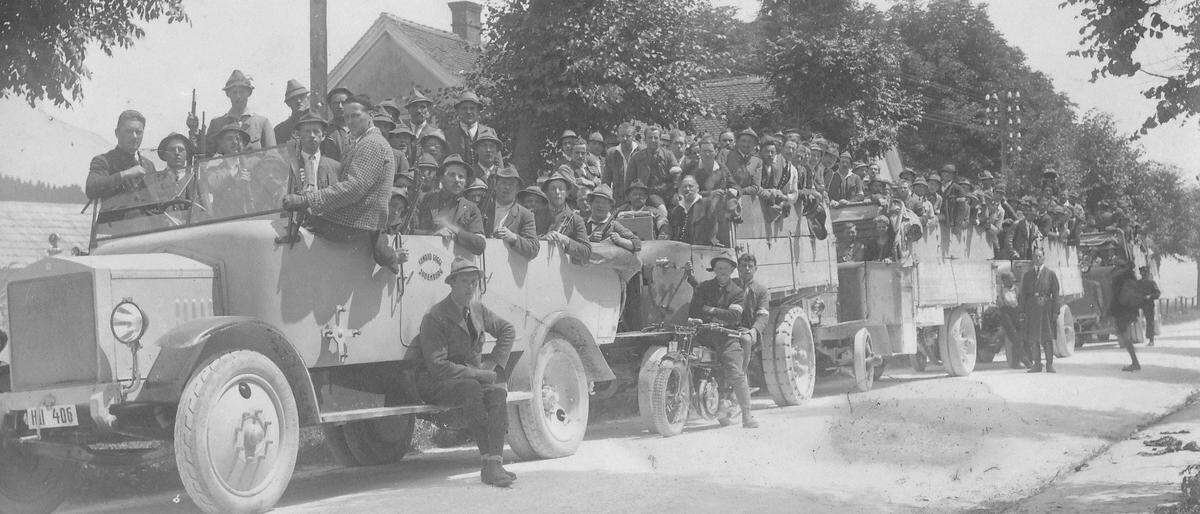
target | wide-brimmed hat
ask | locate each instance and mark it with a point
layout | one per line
(602, 191)
(187, 143)
(407, 173)
(462, 265)
(596, 137)
(479, 184)
(337, 90)
(468, 96)
(532, 190)
(568, 134)
(933, 177)
(507, 172)
(425, 160)
(558, 175)
(721, 257)
(234, 127)
(417, 97)
(434, 132)
(637, 184)
(401, 129)
(486, 134)
(390, 106)
(747, 132)
(950, 168)
(455, 159)
(382, 116)
(920, 181)
(293, 89)
(313, 117)
(237, 78)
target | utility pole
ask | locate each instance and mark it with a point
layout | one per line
(318, 55)
(1004, 112)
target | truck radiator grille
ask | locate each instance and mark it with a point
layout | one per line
(53, 338)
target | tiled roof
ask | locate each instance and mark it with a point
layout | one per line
(449, 50)
(25, 228)
(731, 93)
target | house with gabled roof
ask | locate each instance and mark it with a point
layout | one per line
(396, 54)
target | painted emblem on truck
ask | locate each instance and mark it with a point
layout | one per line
(430, 266)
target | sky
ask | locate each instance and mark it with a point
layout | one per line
(267, 39)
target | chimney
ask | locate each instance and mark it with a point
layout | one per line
(465, 21)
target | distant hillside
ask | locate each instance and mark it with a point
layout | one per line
(20, 190)
(40, 148)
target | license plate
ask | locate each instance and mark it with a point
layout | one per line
(51, 417)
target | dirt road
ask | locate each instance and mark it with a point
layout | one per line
(916, 442)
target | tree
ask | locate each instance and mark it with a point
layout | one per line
(836, 70)
(1113, 30)
(552, 65)
(46, 42)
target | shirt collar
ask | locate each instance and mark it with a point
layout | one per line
(308, 156)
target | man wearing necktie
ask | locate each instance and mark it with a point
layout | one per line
(454, 371)
(312, 169)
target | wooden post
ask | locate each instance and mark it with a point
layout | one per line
(318, 54)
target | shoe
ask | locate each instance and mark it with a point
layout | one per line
(1132, 367)
(749, 423)
(493, 474)
(509, 473)
(1037, 368)
(1151, 343)
(1050, 369)
(725, 413)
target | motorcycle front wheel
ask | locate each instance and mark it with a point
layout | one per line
(669, 399)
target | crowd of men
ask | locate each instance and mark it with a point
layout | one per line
(368, 172)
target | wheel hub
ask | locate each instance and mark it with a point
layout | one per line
(252, 441)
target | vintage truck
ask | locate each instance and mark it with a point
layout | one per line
(1097, 251)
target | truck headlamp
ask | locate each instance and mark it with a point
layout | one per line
(128, 322)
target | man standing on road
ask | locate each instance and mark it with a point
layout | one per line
(719, 300)
(455, 372)
(1039, 301)
(1124, 308)
(1150, 289)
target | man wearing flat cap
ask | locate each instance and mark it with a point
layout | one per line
(121, 169)
(295, 96)
(460, 136)
(455, 372)
(507, 220)
(357, 206)
(720, 300)
(239, 88)
(447, 213)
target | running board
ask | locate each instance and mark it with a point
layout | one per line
(401, 410)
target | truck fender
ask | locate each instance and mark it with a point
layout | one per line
(186, 346)
(574, 332)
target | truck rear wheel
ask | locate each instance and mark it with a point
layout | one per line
(374, 442)
(864, 367)
(236, 433)
(958, 343)
(34, 483)
(1064, 336)
(669, 400)
(552, 423)
(789, 359)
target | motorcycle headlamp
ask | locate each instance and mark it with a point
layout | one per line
(128, 322)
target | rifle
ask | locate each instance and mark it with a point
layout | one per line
(406, 226)
(192, 116)
(293, 229)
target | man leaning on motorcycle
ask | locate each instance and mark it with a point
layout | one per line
(719, 300)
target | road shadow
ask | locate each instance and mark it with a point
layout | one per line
(1149, 372)
(1096, 498)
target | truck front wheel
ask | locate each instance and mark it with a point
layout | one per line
(958, 343)
(552, 423)
(789, 359)
(34, 483)
(236, 433)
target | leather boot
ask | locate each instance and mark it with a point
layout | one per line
(1049, 349)
(493, 474)
(743, 397)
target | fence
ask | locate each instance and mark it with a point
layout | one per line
(1176, 308)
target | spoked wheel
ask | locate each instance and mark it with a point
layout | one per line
(707, 398)
(236, 433)
(790, 359)
(958, 343)
(864, 365)
(34, 483)
(553, 422)
(1064, 337)
(669, 403)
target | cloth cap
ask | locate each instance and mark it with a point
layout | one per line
(712, 263)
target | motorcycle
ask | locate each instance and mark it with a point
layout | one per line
(683, 379)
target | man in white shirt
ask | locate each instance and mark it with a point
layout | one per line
(312, 169)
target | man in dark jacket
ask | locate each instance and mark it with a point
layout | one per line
(756, 307)
(1125, 312)
(1039, 298)
(652, 165)
(121, 169)
(448, 214)
(505, 219)
(295, 96)
(1152, 292)
(460, 137)
(602, 225)
(454, 371)
(719, 300)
